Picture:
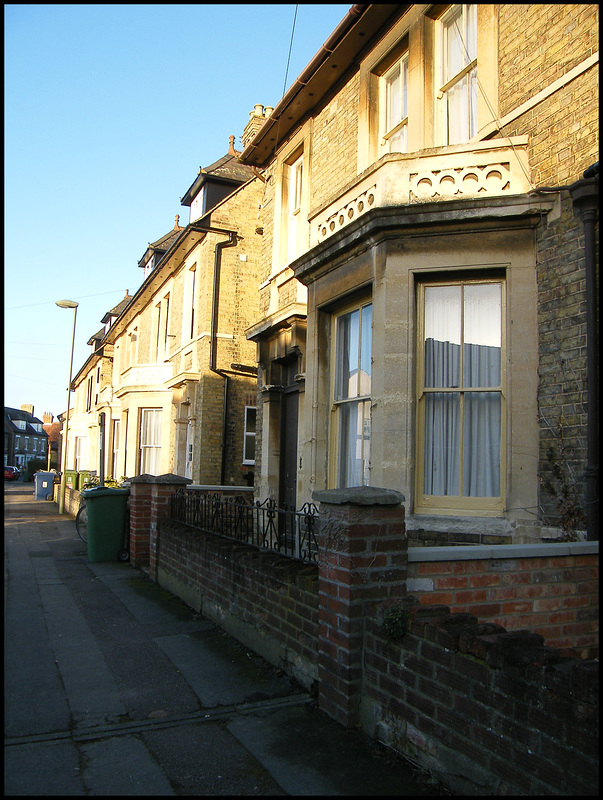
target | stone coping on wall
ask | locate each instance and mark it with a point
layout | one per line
(167, 478)
(359, 495)
(482, 552)
(219, 488)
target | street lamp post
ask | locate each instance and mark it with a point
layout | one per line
(66, 304)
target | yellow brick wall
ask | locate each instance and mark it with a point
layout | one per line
(539, 45)
(239, 305)
(335, 144)
(239, 292)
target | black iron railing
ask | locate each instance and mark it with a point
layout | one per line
(286, 531)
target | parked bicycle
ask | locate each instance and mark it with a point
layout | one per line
(81, 518)
(81, 522)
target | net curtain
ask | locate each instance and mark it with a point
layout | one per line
(462, 351)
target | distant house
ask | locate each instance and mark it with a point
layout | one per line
(173, 376)
(24, 437)
(53, 429)
(424, 290)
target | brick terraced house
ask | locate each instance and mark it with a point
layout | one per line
(430, 195)
(24, 437)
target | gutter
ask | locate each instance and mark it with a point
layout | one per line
(350, 19)
(348, 22)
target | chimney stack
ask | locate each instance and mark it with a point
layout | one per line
(257, 118)
(47, 418)
(28, 408)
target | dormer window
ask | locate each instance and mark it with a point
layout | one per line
(198, 206)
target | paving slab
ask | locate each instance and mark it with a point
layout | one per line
(115, 687)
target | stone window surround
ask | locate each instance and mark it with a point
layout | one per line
(417, 32)
(297, 146)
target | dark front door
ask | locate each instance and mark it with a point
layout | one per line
(288, 455)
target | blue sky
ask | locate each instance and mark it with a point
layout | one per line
(110, 110)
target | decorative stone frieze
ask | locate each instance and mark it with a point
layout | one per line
(489, 169)
(351, 210)
(458, 183)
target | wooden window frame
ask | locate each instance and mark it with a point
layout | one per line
(458, 504)
(141, 446)
(295, 181)
(386, 135)
(337, 404)
(445, 83)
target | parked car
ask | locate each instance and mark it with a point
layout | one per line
(11, 474)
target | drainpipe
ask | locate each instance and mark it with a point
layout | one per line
(585, 198)
(232, 241)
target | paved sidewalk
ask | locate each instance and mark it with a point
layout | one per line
(115, 687)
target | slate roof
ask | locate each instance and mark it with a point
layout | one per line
(161, 246)
(97, 337)
(231, 168)
(228, 168)
(116, 310)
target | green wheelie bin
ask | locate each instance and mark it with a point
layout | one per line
(71, 478)
(107, 511)
(82, 478)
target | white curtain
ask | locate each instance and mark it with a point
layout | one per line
(150, 441)
(353, 382)
(470, 314)
(462, 109)
(460, 49)
(396, 106)
(354, 444)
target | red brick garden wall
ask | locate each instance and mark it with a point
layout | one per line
(551, 589)
(487, 710)
(268, 601)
